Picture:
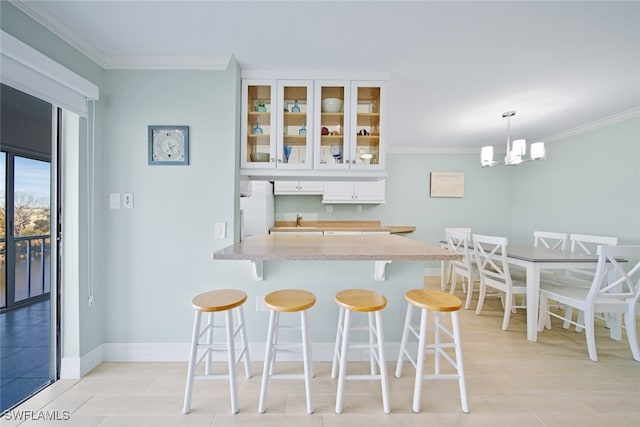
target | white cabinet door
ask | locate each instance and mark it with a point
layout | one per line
(258, 124)
(295, 124)
(338, 192)
(367, 125)
(298, 187)
(354, 192)
(369, 191)
(332, 129)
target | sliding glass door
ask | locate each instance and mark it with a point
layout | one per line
(26, 363)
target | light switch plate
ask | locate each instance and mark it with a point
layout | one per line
(114, 200)
(221, 230)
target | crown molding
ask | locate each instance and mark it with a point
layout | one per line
(432, 150)
(42, 16)
(211, 62)
(578, 130)
(596, 124)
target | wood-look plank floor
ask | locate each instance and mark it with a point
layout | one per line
(510, 381)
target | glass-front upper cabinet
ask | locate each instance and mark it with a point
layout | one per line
(331, 130)
(258, 131)
(367, 130)
(294, 148)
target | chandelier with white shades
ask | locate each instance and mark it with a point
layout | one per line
(516, 150)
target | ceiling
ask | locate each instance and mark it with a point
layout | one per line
(454, 67)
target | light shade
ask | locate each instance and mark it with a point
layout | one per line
(538, 151)
(486, 156)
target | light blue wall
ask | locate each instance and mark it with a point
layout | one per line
(90, 320)
(159, 252)
(590, 184)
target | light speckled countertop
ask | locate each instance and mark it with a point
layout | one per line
(366, 226)
(335, 247)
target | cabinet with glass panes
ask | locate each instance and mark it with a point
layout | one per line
(294, 147)
(258, 124)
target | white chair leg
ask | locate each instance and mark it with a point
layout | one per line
(508, 300)
(343, 360)
(233, 389)
(336, 351)
(467, 303)
(590, 335)
(417, 386)
(568, 314)
(208, 358)
(482, 293)
(382, 365)
(458, 349)
(192, 363)
(268, 356)
(244, 342)
(543, 316)
(403, 341)
(372, 329)
(632, 334)
(306, 357)
(454, 281)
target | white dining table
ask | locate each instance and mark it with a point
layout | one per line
(534, 259)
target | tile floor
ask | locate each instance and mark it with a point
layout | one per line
(24, 352)
(510, 381)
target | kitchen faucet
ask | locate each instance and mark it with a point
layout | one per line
(298, 219)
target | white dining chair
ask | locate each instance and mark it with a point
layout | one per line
(579, 277)
(614, 290)
(459, 241)
(491, 259)
(446, 265)
(550, 239)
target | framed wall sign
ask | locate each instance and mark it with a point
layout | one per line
(447, 184)
(168, 145)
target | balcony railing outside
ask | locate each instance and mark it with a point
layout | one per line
(32, 268)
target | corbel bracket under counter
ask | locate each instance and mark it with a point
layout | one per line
(382, 249)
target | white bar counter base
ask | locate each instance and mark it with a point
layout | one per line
(382, 249)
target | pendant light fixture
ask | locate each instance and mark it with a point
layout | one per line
(516, 150)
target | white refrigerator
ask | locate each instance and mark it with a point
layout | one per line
(257, 214)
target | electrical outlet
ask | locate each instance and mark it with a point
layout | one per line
(260, 305)
(359, 208)
(328, 208)
(127, 200)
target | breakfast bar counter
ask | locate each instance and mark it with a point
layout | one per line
(382, 249)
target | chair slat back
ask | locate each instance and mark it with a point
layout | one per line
(550, 239)
(491, 258)
(458, 241)
(588, 244)
(617, 274)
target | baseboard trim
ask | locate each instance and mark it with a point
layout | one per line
(77, 367)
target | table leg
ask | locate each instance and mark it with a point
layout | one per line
(533, 296)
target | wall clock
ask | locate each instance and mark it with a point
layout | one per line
(168, 145)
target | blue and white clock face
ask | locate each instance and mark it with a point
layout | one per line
(168, 145)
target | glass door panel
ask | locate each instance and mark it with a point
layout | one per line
(332, 126)
(31, 227)
(294, 140)
(258, 131)
(3, 226)
(367, 127)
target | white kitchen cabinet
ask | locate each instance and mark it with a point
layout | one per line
(357, 192)
(352, 138)
(298, 187)
(277, 116)
(297, 233)
(288, 130)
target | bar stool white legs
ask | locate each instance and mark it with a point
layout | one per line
(439, 302)
(227, 301)
(287, 301)
(372, 303)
